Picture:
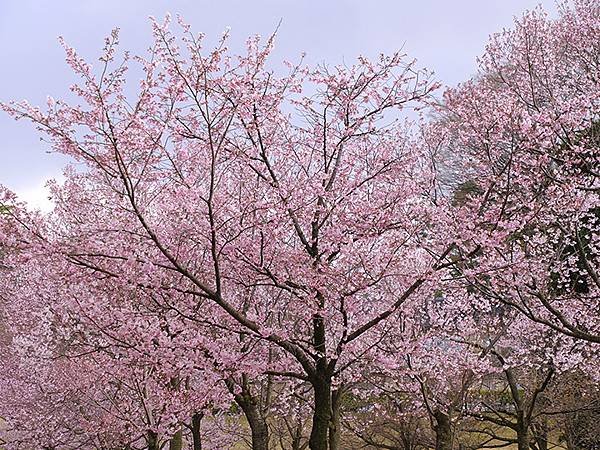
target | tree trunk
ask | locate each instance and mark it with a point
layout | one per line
(176, 442)
(540, 432)
(321, 384)
(258, 426)
(321, 415)
(196, 436)
(522, 433)
(297, 438)
(443, 431)
(335, 423)
(250, 406)
(152, 439)
(523, 440)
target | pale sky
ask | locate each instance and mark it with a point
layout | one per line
(443, 35)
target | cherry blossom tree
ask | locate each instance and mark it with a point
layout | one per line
(96, 359)
(296, 220)
(522, 140)
(518, 151)
(286, 240)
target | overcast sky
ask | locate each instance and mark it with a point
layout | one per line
(445, 36)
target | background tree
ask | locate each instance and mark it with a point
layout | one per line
(522, 138)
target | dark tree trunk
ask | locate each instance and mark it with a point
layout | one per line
(335, 423)
(443, 431)
(250, 405)
(176, 442)
(258, 426)
(196, 436)
(522, 430)
(321, 384)
(321, 415)
(152, 439)
(523, 440)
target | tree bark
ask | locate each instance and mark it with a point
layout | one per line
(321, 415)
(152, 440)
(321, 384)
(523, 440)
(258, 426)
(443, 431)
(250, 407)
(522, 430)
(196, 436)
(176, 442)
(335, 422)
